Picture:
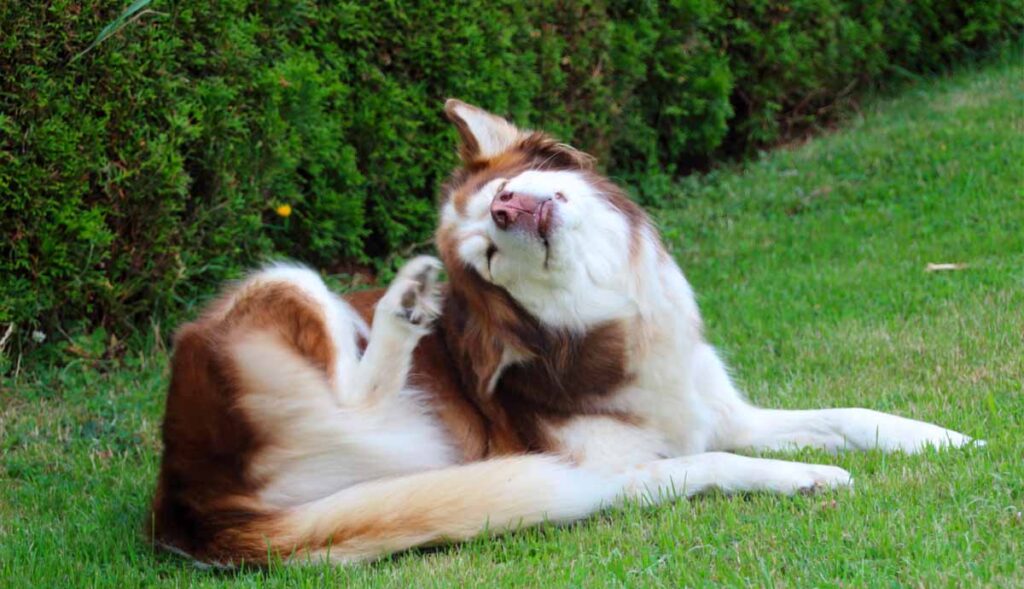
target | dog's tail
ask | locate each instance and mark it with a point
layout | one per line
(206, 506)
(373, 519)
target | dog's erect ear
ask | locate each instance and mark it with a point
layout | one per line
(484, 135)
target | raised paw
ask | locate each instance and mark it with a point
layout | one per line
(419, 295)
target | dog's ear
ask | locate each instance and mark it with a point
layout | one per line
(484, 135)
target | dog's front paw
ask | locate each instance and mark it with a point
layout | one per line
(912, 436)
(799, 477)
(820, 477)
(945, 438)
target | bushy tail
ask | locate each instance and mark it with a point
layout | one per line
(261, 354)
(373, 519)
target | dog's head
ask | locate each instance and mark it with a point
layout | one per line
(533, 218)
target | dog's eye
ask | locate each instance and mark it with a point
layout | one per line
(560, 196)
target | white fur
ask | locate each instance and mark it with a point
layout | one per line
(503, 494)
(682, 391)
(362, 460)
(579, 282)
(373, 468)
(366, 425)
(493, 134)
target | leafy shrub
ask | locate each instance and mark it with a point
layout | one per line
(138, 175)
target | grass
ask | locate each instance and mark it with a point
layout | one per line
(811, 267)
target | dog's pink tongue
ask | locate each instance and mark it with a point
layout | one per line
(543, 218)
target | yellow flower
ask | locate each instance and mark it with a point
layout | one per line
(284, 210)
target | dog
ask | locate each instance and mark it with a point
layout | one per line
(561, 370)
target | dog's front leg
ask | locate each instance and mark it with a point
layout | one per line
(739, 425)
(841, 429)
(695, 474)
(632, 457)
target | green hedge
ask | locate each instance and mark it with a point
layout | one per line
(138, 175)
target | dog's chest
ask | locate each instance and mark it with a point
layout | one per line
(565, 377)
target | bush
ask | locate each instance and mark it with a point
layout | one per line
(138, 175)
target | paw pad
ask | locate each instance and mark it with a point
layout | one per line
(420, 300)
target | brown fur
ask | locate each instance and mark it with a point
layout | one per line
(434, 370)
(206, 500)
(563, 373)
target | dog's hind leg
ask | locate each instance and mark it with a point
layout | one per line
(404, 314)
(292, 307)
(739, 425)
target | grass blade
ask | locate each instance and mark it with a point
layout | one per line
(115, 25)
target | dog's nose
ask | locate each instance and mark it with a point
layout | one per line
(508, 207)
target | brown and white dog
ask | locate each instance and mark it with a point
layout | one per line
(561, 371)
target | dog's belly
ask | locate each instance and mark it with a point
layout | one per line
(393, 438)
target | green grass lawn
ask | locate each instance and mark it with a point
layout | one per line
(810, 265)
